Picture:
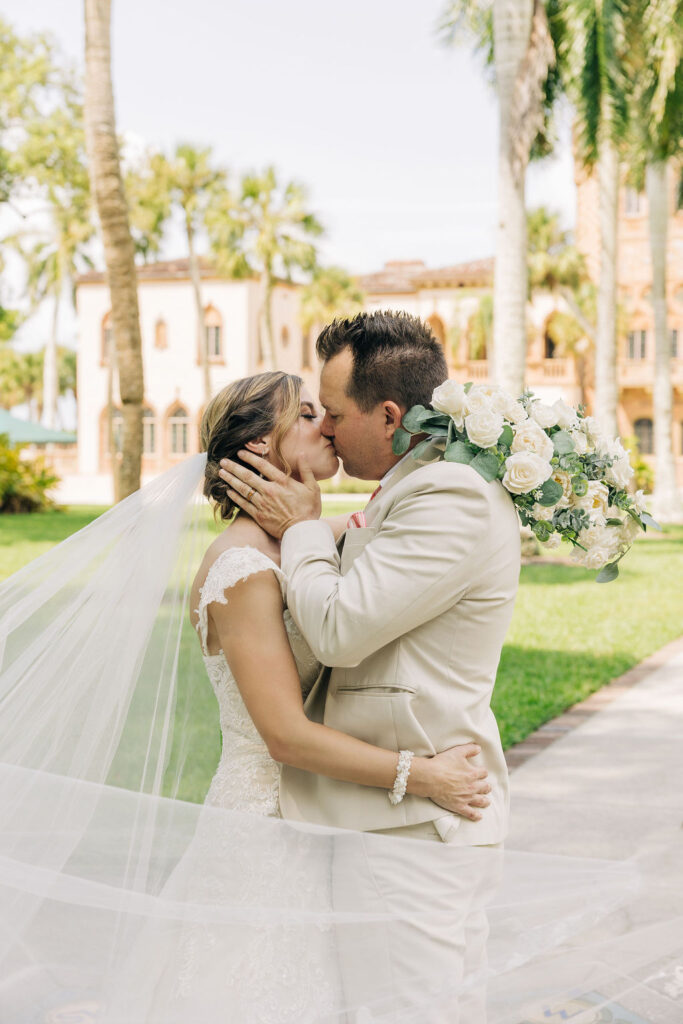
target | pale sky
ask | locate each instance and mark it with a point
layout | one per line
(394, 134)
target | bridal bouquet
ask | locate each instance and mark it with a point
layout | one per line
(566, 478)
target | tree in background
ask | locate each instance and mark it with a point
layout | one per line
(480, 329)
(516, 39)
(270, 230)
(657, 140)
(330, 293)
(149, 204)
(119, 249)
(21, 377)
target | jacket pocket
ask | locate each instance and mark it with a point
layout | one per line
(385, 718)
(376, 690)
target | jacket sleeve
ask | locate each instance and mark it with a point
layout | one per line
(416, 566)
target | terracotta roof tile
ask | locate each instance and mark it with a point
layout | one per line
(411, 275)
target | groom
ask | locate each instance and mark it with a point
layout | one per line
(410, 611)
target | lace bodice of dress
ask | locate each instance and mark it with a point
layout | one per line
(247, 778)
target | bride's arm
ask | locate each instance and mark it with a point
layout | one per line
(254, 640)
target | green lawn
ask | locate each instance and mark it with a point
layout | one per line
(569, 635)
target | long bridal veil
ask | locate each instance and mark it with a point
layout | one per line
(124, 900)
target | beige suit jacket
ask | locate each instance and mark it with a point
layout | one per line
(411, 620)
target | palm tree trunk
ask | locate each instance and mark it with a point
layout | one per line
(523, 52)
(50, 370)
(606, 333)
(119, 251)
(113, 450)
(666, 499)
(266, 322)
(202, 346)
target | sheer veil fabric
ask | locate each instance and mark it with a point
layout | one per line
(118, 887)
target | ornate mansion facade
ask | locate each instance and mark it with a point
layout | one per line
(446, 297)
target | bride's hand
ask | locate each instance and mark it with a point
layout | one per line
(451, 780)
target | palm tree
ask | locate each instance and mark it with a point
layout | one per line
(149, 204)
(593, 58)
(119, 249)
(331, 292)
(271, 228)
(658, 106)
(194, 186)
(515, 35)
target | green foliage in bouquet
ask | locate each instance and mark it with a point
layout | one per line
(567, 480)
(24, 483)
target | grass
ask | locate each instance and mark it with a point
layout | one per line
(569, 636)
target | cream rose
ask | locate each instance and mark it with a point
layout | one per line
(514, 411)
(580, 442)
(565, 481)
(566, 416)
(543, 414)
(484, 427)
(620, 473)
(530, 438)
(450, 398)
(629, 530)
(525, 471)
(596, 498)
(543, 512)
(639, 502)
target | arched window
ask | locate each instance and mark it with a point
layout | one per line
(437, 328)
(179, 428)
(213, 334)
(636, 344)
(549, 346)
(160, 334)
(149, 432)
(106, 339)
(284, 337)
(643, 429)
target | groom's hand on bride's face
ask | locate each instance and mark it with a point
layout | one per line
(274, 500)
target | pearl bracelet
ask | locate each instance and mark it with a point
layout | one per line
(405, 758)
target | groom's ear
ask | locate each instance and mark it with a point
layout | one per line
(393, 414)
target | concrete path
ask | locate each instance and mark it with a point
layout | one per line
(606, 780)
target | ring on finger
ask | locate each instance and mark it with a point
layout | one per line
(252, 492)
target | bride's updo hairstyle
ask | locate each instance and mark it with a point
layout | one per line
(267, 403)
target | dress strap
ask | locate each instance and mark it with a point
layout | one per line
(231, 567)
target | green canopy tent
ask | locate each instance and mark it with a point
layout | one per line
(26, 432)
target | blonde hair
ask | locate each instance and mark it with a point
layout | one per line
(267, 403)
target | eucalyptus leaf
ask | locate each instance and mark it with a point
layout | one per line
(486, 465)
(613, 522)
(507, 436)
(562, 442)
(458, 451)
(580, 485)
(551, 492)
(647, 520)
(608, 573)
(412, 421)
(421, 447)
(401, 442)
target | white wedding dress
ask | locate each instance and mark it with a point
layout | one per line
(244, 972)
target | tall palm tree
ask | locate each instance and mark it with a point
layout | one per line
(516, 37)
(658, 135)
(331, 292)
(272, 229)
(193, 185)
(593, 57)
(119, 249)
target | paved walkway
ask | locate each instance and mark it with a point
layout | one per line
(606, 780)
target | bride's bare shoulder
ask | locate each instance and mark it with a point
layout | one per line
(243, 533)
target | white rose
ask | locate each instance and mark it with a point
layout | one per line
(530, 438)
(580, 442)
(597, 557)
(525, 472)
(620, 473)
(514, 411)
(544, 415)
(486, 397)
(596, 498)
(543, 512)
(561, 477)
(566, 416)
(484, 427)
(553, 541)
(630, 530)
(450, 398)
(639, 502)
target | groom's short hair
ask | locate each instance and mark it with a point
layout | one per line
(395, 358)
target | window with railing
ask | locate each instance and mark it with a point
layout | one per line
(675, 352)
(636, 345)
(643, 430)
(179, 427)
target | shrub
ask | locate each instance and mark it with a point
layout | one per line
(23, 482)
